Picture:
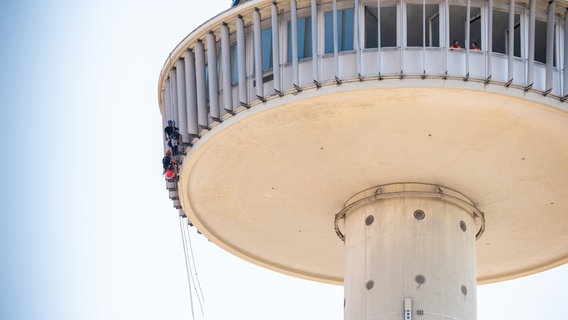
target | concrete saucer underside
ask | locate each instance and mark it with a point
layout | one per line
(265, 184)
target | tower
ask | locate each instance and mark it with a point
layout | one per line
(408, 151)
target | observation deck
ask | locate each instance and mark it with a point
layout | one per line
(310, 102)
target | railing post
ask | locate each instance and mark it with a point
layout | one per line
(258, 54)
(402, 33)
(315, 58)
(226, 69)
(489, 37)
(181, 99)
(294, 44)
(202, 115)
(276, 50)
(190, 92)
(173, 96)
(335, 42)
(565, 71)
(357, 38)
(379, 69)
(550, 46)
(446, 34)
(467, 36)
(213, 82)
(241, 61)
(511, 41)
(532, 20)
(167, 99)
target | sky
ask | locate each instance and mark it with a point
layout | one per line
(86, 227)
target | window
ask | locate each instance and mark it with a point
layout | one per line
(458, 22)
(540, 42)
(475, 27)
(266, 44)
(345, 26)
(500, 38)
(234, 65)
(304, 38)
(388, 27)
(423, 24)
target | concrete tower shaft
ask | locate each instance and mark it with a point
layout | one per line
(410, 242)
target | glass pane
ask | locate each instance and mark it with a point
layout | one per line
(432, 25)
(500, 25)
(414, 25)
(328, 17)
(266, 43)
(371, 27)
(501, 33)
(457, 27)
(344, 30)
(345, 26)
(540, 41)
(234, 65)
(388, 26)
(517, 40)
(475, 28)
(304, 38)
(421, 25)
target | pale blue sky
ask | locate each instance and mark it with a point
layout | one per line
(86, 228)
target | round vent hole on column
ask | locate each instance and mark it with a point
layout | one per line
(419, 214)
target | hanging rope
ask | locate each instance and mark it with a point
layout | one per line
(186, 238)
(187, 225)
(181, 229)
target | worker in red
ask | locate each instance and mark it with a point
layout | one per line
(168, 164)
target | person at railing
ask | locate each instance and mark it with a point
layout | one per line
(474, 46)
(173, 137)
(455, 45)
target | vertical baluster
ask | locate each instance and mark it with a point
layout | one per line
(191, 93)
(258, 54)
(532, 21)
(511, 42)
(200, 84)
(315, 59)
(213, 82)
(181, 100)
(294, 44)
(379, 67)
(226, 69)
(335, 42)
(173, 96)
(489, 37)
(241, 61)
(550, 46)
(565, 71)
(276, 50)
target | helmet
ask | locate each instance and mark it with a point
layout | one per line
(170, 122)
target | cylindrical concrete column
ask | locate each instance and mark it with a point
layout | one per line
(212, 73)
(410, 250)
(182, 100)
(257, 34)
(200, 83)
